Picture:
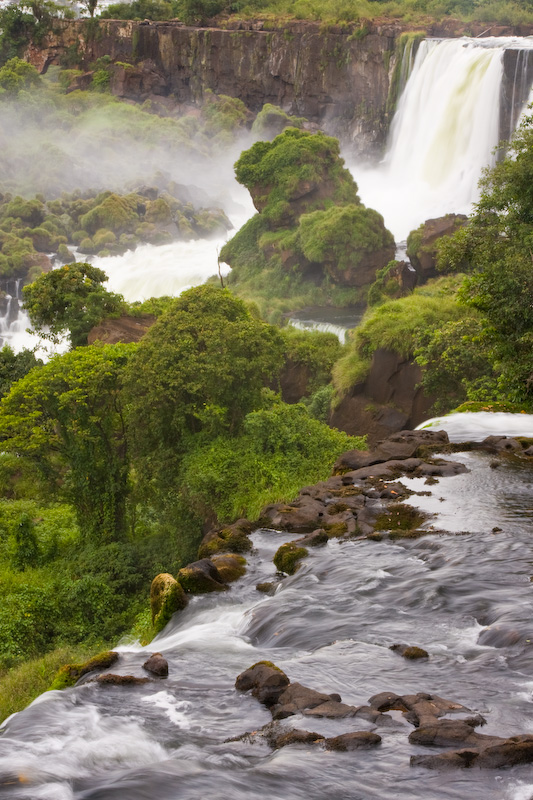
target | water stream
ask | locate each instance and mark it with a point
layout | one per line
(465, 596)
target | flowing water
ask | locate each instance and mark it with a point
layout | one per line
(465, 596)
(444, 131)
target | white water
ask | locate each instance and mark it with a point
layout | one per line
(443, 134)
(325, 327)
(476, 426)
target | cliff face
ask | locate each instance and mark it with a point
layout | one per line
(337, 80)
(340, 79)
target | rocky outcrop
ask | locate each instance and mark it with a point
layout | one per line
(388, 400)
(120, 329)
(423, 242)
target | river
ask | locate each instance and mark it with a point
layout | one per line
(464, 594)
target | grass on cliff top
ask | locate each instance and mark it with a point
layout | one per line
(276, 12)
(395, 326)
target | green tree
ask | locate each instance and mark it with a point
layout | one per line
(67, 418)
(16, 75)
(497, 246)
(13, 366)
(71, 299)
(197, 373)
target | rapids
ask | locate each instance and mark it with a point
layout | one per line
(329, 626)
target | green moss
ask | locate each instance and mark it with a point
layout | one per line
(195, 582)
(228, 540)
(336, 529)
(271, 120)
(288, 556)
(166, 597)
(343, 235)
(69, 674)
(115, 213)
(231, 567)
(400, 518)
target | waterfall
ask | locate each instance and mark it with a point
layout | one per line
(445, 129)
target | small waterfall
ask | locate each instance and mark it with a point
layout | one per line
(13, 318)
(326, 327)
(446, 128)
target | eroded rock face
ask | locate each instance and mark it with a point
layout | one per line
(122, 329)
(388, 400)
(422, 243)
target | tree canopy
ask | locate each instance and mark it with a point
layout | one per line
(70, 299)
(67, 417)
(198, 370)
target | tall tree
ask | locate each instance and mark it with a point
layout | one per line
(67, 417)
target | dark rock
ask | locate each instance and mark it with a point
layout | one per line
(422, 243)
(497, 636)
(388, 701)
(265, 680)
(296, 697)
(508, 753)
(353, 741)
(157, 665)
(500, 444)
(409, 651)
(331, 709)
(281, 738)
(314, 539)
(200, 577)
(455, 759)
(450, 732)
(302, 516)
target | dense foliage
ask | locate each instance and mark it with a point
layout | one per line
(490, 355)
(70, 299)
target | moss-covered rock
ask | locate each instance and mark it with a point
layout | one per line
(272, 120)
(288, 556)
(200, 577)
(69, 674)
(166, 597)
(400, 518)
(230, 539)
(115, 213)
(230, 566)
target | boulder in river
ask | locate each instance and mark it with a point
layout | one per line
(166, 597)
(200, 577)
(157, 665)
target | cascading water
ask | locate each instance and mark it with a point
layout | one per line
(444, 131)
(465, 598)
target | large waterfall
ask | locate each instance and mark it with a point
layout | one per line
(445, 130)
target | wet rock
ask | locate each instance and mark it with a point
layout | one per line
(230, 566)
(528, 451)
(120, 680)
(201, 577)
(303, 516)
(281, 738)
(454, 759)
(450, 732)
(296, 697)
(497, 636)
(157, 665)
(331, 709)
(229, 539)
(288, 556)
(441, 469)
(508, 753)
(266, 682)
(166, 597)
(314, 539)
(409, 651)
(500, 444)
(353, 741)
(388, 701)
(268, 587)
